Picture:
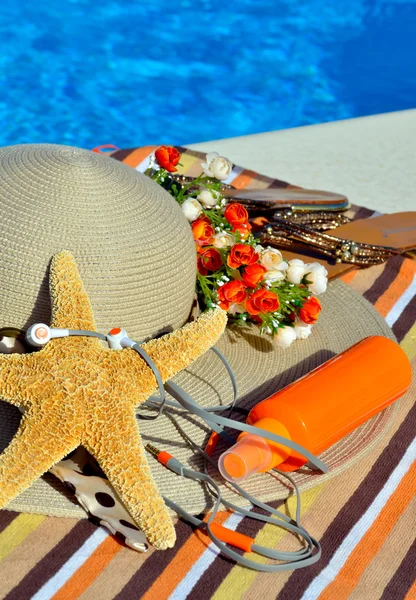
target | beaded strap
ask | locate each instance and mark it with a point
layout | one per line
(284, 233)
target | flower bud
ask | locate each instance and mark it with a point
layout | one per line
(295, 271)
(284, 337)
(191, 209)
(272, 259)
(318, 277)
(217, 166)
(223, 239)
(207, 198)
(302, 330)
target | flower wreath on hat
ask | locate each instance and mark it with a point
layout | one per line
(251, 282)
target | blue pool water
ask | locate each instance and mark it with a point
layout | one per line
(87, 73)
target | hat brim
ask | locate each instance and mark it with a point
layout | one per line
(261, 369)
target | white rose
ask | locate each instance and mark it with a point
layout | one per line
(191, 209)
(236, 308)
(295, 271)
(223, 239)
(317, 267)
(207, 198)
(302, 330)
(217, 166)
(274, 276)
(272, 259)
(284, 337)
(317, 275)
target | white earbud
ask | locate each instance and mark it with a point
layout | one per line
(39, 334)
(117, 339)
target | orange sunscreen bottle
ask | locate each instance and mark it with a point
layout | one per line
(321, 407)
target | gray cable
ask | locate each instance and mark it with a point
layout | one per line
(87, 334)
(289, 524)
(218, 407)
(216, 421)
(295, 560)
(159, 380)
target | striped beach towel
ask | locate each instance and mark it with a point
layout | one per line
(364, 519)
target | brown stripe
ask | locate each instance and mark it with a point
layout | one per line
(354, 508)
(404, 577)
(365, 278)
(363, 213)
(116, 575)
(406, 320)
(388, 560)
(154, 566)
(383, 282)
(352, 211)
(52, 562)
(32, 550)
(277, 183)
(189, 152)
(264, 179)
(184, 150)
(122, 154)
(6, 517)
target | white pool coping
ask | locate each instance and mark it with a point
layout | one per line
(372, 160)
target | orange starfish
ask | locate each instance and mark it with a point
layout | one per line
(76, 392)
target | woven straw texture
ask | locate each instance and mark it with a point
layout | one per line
(130, 239)
(136, 257)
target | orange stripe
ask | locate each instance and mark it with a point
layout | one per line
(182, 563)
(244, 178)
(136, 157)
(403, 279)
(362, 555)
(348, 277)
(90, 570)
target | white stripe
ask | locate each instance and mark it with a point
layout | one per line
(68, 569)
(401, 303)
(234, 174)
(205, 560)
(361, 527)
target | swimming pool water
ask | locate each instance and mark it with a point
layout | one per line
(87, 73)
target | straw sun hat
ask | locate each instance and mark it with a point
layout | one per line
(135, 254)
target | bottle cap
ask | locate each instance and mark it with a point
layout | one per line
(249, 455)
(253, 453)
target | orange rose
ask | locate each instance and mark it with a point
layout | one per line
(262, 301)
(203, 231)
(236, 214)
(210, 259)
(167, 157)
(310, 310)
(253, 274)
(241, 254)
(243, 229)
(232, 292)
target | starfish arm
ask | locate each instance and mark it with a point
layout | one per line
(176, 351)
(71, 307)
(36, 447)
(119, 451)
(17, 372)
